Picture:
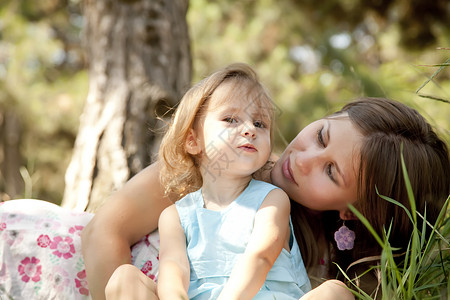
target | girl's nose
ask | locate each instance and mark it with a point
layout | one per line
(248, 131)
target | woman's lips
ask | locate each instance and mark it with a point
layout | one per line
(287, 170)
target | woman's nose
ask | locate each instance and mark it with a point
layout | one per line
(305, 161)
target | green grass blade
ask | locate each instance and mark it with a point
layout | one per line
(366, 223)
(424, 270)
(446, 64)
(396, 203)
(352, 282)
(434, 75)
(434, 98)
(412, 201)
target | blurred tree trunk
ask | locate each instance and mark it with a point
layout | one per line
(11, 182)
(139, 54)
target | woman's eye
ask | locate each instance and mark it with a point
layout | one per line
(259, 124)
(330, 174)
(320, 137)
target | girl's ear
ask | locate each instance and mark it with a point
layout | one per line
(192, 144)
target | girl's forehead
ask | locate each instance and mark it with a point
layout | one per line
(243, 96)
(230, 91)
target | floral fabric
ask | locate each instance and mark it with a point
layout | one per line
(40, 252)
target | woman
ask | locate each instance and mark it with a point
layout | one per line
(333, 162)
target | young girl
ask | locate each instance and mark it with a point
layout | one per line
(230, 236)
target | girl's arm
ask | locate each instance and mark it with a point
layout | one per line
(174, 272)
(270, 233)
(126, 217)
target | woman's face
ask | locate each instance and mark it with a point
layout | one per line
(319, 167)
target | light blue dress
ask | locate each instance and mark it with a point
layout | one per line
(217, 239)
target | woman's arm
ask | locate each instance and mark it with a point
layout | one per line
(269, 236)
(173, 280)
(127, 216)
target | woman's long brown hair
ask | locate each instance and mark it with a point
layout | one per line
(390, 129)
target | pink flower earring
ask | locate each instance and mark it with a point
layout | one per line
(345, 238)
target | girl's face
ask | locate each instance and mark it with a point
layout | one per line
(319, 167)
(234, 134)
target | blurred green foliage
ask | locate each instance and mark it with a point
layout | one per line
(44, 80)
(313, 58)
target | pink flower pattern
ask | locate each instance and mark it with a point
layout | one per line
(43, 241)
(30, 268)
(76, 229)
(146, 241)
(81, 283)
(147, 267)
(64, 247)
(40, 245)
(60, 279)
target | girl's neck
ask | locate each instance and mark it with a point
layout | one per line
(218, 194)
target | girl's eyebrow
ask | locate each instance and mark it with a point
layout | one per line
(328, 134)
(230, 109)
(235, 109)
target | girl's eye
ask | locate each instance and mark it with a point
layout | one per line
(259, 124)
(230, 120)
(320, 137)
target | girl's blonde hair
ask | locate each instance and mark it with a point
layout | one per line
(179, 171)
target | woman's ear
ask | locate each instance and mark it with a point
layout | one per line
(346, 215)
(192, 144)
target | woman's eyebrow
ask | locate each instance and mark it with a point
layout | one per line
(328, 133)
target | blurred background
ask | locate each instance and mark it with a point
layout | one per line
(313, 56)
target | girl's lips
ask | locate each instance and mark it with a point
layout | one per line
(287, 170)
(248, 148)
